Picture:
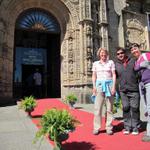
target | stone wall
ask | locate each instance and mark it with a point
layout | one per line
(85, 26)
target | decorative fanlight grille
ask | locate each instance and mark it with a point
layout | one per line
(37, 19)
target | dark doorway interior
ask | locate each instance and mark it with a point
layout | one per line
(50, 70)
(53, 67)
(28, 81)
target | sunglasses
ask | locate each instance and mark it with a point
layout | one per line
(120, 53)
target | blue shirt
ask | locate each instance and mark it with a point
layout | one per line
(105, 86)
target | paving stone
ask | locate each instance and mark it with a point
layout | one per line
(17, 131)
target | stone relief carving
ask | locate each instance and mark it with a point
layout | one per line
(63, 51)
(95, 17)
(70, 67)
(95, 12)
(96, 37)
(64, 61)
(103, 25)
(77, 55)
(135, 32)
(89, 47)
(70, 55)
(89, 60)
(103, 18)
(72, 5)
(88, 30)
(89, 53)
(70, 43)
(88, 35)
(74, 1)
(96, 43)
(119, 5)
(87, 9)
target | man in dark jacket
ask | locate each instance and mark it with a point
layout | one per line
(129, 91)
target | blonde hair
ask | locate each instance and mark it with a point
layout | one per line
(101, 49)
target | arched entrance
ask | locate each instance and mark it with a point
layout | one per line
(37, 45)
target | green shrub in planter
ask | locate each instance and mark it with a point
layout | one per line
(56, 124)
(71, 99)
(28, 104)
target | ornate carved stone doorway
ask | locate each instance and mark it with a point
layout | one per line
(37, 45)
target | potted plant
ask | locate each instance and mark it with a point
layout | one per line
(71, 99)
(28, 104)
(56, 124)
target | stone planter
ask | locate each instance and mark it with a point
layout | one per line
(62, 137)
(29, 111)
(71, 104)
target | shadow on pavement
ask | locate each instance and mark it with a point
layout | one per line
(7, 102)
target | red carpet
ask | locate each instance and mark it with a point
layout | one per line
(82, 138)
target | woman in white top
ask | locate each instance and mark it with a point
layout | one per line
(104, 81)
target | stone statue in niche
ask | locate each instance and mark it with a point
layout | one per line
(89, 53)
(95, 12)
(96, 44)
(70, 56)
(89, 60)
(70, 43)
(88, 29)
(70, 70)
(88, 34)
(89, 66)
(70, 67)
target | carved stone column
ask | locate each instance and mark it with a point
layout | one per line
(88, 52)
(103, 24)
(70, 57)
(87, 31)
(95, 5)
(86, 49)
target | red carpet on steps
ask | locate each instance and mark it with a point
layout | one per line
(83, 139)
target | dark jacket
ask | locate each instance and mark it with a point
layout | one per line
(128, 78)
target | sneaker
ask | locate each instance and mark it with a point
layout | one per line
(96, 132)
(109, 132)
(146, 138)
(135, 132)
(126, 131)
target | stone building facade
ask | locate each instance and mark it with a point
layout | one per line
(85, 25)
